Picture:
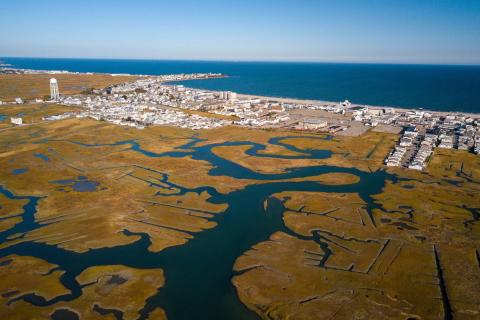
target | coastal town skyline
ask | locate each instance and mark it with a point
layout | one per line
(427, 32)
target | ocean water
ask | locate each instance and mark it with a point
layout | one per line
(434, 87)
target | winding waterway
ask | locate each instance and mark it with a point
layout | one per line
(198, 274)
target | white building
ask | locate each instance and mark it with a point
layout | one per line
(180, 88)
(227, 95)
(346, 104)
(18, 121)
(312, 124)
(54, 93)
(231, 95)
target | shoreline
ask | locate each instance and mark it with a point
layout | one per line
(244, 96)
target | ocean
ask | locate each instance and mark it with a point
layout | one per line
(433, 87)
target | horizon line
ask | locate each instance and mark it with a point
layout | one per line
(254, 61)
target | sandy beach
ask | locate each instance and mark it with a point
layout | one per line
(322, 102)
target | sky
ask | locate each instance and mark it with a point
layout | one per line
(382, 31)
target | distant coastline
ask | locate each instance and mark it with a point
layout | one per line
(429, 87)
(244, 96)
(323, 102)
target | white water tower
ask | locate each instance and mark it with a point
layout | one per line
(54, 93)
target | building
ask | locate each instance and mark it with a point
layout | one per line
(179, 88)
(54, 93)
(312, 124)
(16, 120)
(227, 95)
(346, 104)
(231, 95)
(277, 108)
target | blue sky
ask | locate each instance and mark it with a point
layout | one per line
(406, 31)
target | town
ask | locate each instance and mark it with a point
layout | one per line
(154, 100)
